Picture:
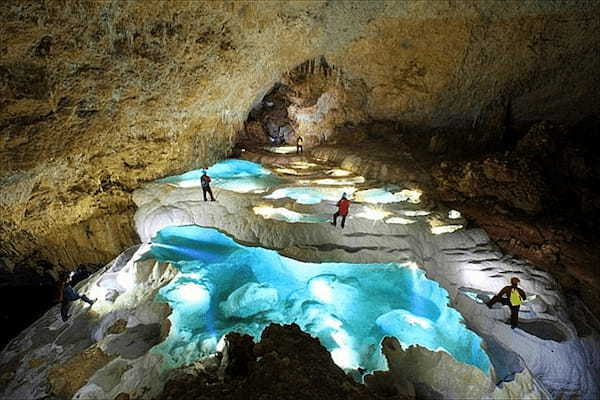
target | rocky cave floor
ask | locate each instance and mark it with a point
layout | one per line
(104, 350)
(541, 218)
(532, 186)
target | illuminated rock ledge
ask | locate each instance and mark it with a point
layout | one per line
(460, 262)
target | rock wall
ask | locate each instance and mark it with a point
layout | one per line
(98, 97)
(314, 100)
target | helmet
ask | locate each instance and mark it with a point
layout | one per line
(514, 280)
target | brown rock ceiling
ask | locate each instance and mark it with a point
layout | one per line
(97, 97)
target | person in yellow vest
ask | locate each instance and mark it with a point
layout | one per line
(511, 296)
(299, 143)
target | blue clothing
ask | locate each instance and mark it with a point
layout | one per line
(70, 294)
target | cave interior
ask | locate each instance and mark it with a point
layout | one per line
(465, 135)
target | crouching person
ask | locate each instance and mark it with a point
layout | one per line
(69, 295)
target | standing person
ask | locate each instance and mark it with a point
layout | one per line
(205, 182)
(299, 143)
(69, 294)
(511, 296)
(343, 205)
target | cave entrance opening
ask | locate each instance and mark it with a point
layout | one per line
(306, 101)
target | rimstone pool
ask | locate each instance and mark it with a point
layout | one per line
(235, 175)
(204, 269)
(224, 286)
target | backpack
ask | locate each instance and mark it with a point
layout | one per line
(204, 180)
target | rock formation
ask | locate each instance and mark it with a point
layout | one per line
(113, 338)
(286, 364)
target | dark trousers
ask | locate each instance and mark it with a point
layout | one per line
(298, 148)
(514, 310)
(206, 189)
(336, 215)
(66, 304)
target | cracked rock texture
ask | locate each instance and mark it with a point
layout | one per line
(98, 97)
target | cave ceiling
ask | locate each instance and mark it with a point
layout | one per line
(98, 97)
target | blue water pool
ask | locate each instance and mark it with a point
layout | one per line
(236, 175)
(224, 286)
(310, 194)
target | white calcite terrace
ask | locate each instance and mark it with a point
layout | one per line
(543, 358)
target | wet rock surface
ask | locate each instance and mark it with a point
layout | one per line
(96, 347)
(536, 205)
(544, 330)
(466, 258)
(134, 342)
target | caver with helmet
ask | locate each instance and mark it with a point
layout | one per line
(511, 296)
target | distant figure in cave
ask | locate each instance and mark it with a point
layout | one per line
(343, 205)
(299, 143)
(205, 182)
(511, 296)
(68, 295)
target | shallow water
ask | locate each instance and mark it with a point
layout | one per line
(224, 286)
(310, 195)
(235, 175)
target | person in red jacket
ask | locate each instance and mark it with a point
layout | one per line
(511, 296)
(343, 205)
